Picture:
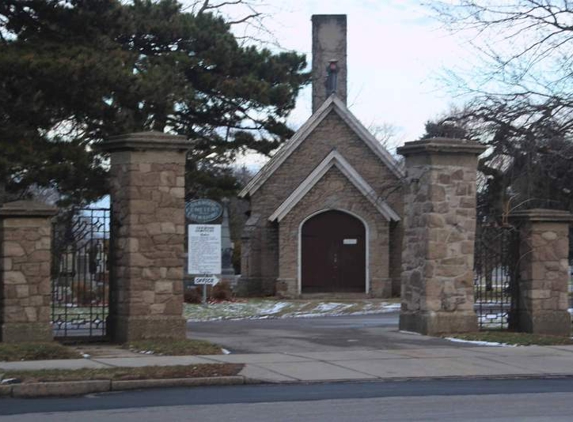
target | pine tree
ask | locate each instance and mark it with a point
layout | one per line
(75, 72)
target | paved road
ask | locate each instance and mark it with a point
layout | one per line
(468, 400)
(297, 335)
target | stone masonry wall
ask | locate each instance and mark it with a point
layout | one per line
(334, 191)
(25, 258)
(544, 278)
(439, 234)
(148, 229)
(332, 133)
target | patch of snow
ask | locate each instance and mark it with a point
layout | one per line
(275, 309)
(284, 309)
(225, 351)
(307, 315)
(329, 306)
(479, 343)
(410, 332)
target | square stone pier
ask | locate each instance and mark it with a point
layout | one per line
(543, 271)
(25, 258)
(147, 180)
(439, 234)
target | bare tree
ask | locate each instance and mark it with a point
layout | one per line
(388, 134)
(247, 17)
(525, 44)
(522, 97)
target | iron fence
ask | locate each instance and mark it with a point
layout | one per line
(496, 275)
(80, 273)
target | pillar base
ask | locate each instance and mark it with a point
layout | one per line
(287, 288)
(435, 323)
(26, 332)
(381, 287)
(124, 329)
(550, 323)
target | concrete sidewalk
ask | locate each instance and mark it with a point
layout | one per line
(356, 365)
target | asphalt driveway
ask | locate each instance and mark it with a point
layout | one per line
(296, 335)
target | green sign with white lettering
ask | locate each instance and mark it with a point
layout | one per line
(203, 210)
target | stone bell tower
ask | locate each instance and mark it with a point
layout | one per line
(329, 70)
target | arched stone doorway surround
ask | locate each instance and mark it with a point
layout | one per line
(333, 253)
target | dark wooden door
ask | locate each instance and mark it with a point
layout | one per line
(333, 253)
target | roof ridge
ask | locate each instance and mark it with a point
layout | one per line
(331, 103)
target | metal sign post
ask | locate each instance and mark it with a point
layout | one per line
(206, 280)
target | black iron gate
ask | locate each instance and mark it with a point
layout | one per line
(496, 275)
(80, 274)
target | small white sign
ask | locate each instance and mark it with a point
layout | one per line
(350, 241)
(204, 249)
(206, 280)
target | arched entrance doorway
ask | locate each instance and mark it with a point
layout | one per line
(333, 253)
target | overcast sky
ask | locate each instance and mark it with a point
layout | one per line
(396, 53)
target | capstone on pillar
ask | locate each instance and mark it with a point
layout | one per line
(147, 179)
(25, 258)
(439, 234)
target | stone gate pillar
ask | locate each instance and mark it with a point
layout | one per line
(543, 271)
(439, 232)
(25, 258)
(147, 178)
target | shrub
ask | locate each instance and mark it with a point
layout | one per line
(222, 291)
(192, 295)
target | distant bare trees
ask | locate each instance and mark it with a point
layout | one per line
(521, 98)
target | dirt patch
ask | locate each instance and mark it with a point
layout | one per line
(116, 374)
(173, 348)
(36, 351)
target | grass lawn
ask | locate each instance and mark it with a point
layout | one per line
(277, 308)
(517, 339)
(174, 347)
(82, 311)
(36, 351)
(47, 351)
(115, 374)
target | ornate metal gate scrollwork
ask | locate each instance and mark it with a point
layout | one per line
(496, 272)
(80, 273)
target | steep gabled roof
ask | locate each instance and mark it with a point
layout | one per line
(332, 103)
(334, 159)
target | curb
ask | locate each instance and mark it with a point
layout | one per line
(80, 388)
(175, 382)
(546, 376)
(69, 388)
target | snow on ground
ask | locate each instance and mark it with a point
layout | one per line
(265, 309)
(327, 307)
(479, 343)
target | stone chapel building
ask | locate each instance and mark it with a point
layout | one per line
(325, 211)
